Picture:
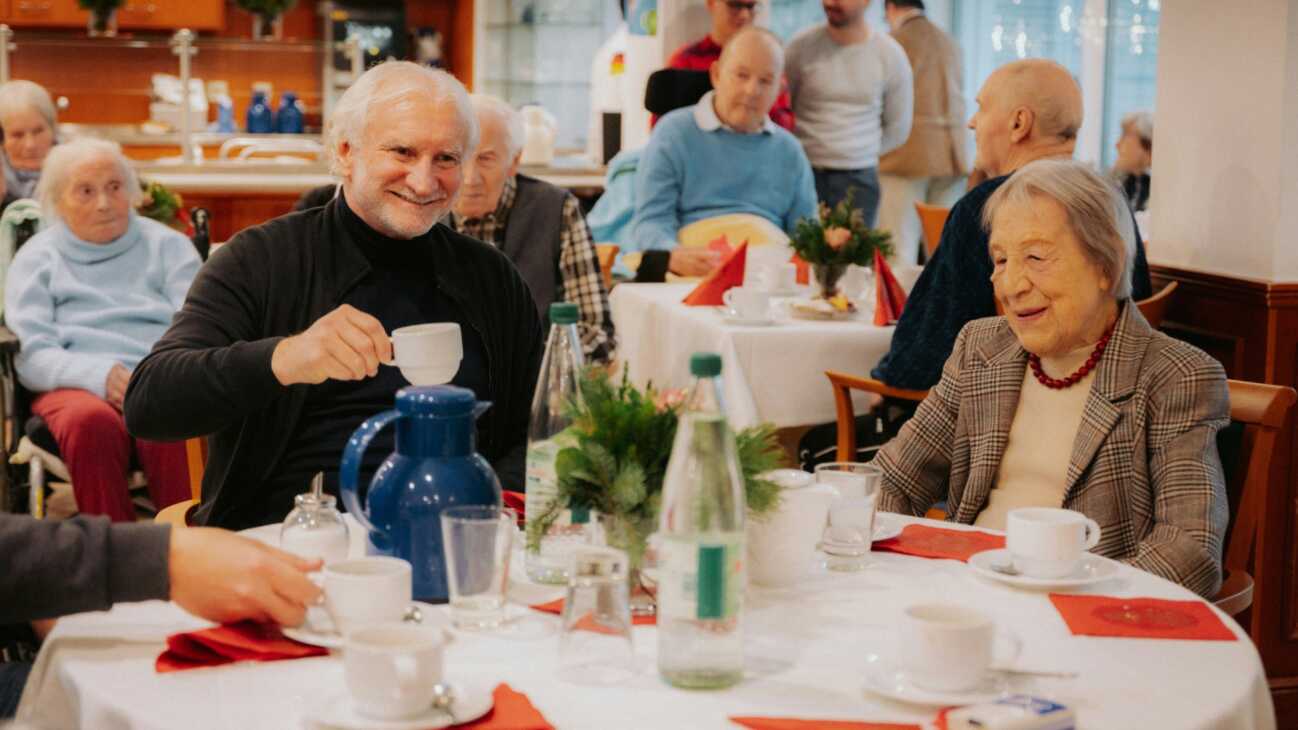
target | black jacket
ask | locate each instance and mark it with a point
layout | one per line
(210, 373)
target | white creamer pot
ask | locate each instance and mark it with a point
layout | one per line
(782, 545)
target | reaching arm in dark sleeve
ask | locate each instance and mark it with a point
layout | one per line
(212, 367)
(82, 564)
(954, 290)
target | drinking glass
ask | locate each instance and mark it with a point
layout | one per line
(850, 531)
(478, 541)
(595, 644)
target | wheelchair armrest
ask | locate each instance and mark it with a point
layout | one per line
(8, 341)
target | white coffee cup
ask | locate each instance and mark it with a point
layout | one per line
(428, 354)
(747, 302)
(1046, 542)
(948, 648)
(391, 669)
(780, 277)
(367, 591)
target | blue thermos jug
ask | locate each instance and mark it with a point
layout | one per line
(260, 119)
(434, 467)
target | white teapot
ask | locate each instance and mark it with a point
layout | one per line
(782, 545)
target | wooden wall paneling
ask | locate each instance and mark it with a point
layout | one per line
(232, 213)
(46, 14)
(168, 14)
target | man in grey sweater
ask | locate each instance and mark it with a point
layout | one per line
(88, 564)
(852, 100)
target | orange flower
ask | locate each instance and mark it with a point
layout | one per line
(837, 237)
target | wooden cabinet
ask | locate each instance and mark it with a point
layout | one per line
(45, 13)
(169, 14)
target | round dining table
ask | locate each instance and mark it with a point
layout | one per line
(808, 648)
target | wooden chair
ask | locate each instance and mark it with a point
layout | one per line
(177, 515)
(607, 254)
(932, 219)
(1263, 412)
(1155, 307)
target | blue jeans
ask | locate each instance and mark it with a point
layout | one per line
(13, 676)
(832, 187)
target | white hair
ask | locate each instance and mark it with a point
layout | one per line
(1096, 209)
(57, 171)
(1142, 125)
(20, 96)
(511, 118)
(384, 84)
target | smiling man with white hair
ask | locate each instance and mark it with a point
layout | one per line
(282, 348)
(539, 226)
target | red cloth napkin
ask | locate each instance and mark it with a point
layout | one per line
(889, 297)
(516, 501)
(730, 273)
(1140, 618)
(721, 246)
(937, 542)
(237, 642)
(556, 606)
(788, 723)
(804, 269)
(510, 710)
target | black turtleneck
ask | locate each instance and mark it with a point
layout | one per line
(335, 408)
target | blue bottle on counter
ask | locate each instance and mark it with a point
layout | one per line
(261, 120)
(289, 118)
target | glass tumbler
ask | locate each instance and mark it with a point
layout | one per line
(850, 532)
(595, 644)
(477, 541)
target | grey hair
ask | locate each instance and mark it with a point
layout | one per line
(1097, 213)
(20, 95)
(57, 171)
(515, 134)
(1142, 124)
(384, 84)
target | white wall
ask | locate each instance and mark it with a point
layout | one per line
(1225, 195)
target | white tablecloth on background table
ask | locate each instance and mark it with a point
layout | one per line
(806, 657)
(770, 373)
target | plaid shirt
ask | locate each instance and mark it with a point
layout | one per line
(580, 279)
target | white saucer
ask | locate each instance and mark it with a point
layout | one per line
(1090, 569)
(737, 321)
(430, 615)
(885, 680)
(472, 700)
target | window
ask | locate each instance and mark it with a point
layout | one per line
(1131, 68)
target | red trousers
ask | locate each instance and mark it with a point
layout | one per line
(95, 447)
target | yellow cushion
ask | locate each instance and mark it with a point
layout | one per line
(736, 227)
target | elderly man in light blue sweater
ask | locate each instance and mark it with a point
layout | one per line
(87, 297)
(722, 155)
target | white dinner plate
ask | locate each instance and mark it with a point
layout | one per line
(428, 615)
(882, 678)
(472, 700)
(1090, 569)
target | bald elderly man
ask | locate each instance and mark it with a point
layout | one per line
(1027, 110)
(282, 347)
(722, 155)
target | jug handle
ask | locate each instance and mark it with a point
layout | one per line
(350, 471)
(480, 408)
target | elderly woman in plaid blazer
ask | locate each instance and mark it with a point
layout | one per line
(1071, 399)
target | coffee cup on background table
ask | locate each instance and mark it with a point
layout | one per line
(1046, 542)
(747, 302)
(428, 354)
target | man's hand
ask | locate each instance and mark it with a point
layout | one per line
(115, 385)
(220, 576)
(346, 344)
(693, 261)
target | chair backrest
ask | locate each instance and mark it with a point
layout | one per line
(669, 89)
(202, 238)
(843, 385)
(1155, 307)
(1263, 411)
(736, 227)
(607, 254)
(932, 219)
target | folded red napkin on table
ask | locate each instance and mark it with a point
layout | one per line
(237, 642)
(788, 723)
(721, 246)
(730, 273)
(1140, 618)
(516, 501)
(804, 269)
(889, 297)
(510, 711)
(556, 606)
(924, 541)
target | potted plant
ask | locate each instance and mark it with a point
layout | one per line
(266, 15)
(837, 238)
(103, 17)
(621, 441)
(164, 206)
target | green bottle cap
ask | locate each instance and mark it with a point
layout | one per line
(563, 313)
(705, 364)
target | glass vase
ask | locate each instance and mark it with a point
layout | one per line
(620, 532)
(828, 277)
(102, 24)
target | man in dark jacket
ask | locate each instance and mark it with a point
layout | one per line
(1027, 110)
(281, 349)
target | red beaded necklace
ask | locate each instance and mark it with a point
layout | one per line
(1059, 384)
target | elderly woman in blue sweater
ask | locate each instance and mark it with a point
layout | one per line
(87, 297)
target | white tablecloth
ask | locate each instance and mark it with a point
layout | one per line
(806, 658)
(769, 373)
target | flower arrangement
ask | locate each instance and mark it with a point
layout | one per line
(623, 439)
(164, 206)
(265, 12)
(836, 238)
